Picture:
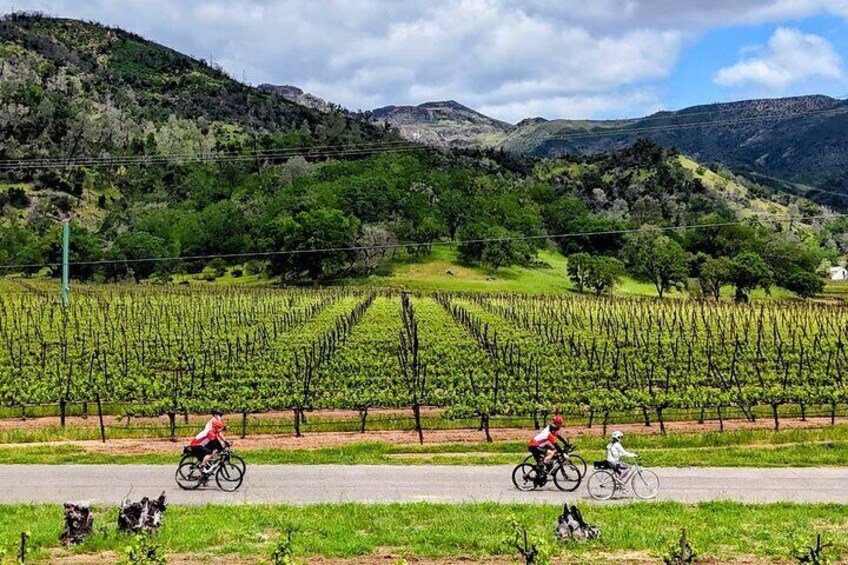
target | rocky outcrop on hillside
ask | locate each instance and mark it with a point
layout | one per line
(445, 124)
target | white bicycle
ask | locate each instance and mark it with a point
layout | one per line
(604, 482)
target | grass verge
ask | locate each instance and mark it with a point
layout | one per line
(748, 448)
(721, 530)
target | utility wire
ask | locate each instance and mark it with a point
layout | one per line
(389, 147)
(389, 246)
(361, 148)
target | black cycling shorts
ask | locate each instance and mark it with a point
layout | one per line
(201, 451)
(539, 453)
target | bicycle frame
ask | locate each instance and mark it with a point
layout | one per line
(634, 469)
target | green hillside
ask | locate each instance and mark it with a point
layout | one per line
(209, 167)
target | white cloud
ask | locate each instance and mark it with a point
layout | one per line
(790, 56)
(543, 57)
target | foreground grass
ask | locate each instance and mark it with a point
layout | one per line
(720, 530)
(751, 448)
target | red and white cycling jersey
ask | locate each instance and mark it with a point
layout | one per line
(543, 439)
(209, 433)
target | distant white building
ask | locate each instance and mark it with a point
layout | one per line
(839, 273)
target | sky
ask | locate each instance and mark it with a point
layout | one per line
(510, 59)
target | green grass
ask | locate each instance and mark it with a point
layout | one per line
(754, 448)
(430, 274)
(722, 530)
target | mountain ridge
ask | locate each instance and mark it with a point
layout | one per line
(791, 143)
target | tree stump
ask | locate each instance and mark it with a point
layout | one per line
(571, 526)
(142, 517)
(78, 522)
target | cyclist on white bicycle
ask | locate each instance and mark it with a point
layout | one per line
(615, 451)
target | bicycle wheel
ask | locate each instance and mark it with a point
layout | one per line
(229, 477)
(579, 462)
(238, 462)
(601, 485)
(524, 477)
(645, 484)
(188, 477)
(567, 477)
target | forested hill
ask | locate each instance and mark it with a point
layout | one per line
(71, 88)
(219, 179)
(784, 142)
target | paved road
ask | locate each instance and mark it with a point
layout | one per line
(109, 484)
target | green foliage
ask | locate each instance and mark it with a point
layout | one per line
(603, 274)
(656, 258)
(131, 249)
(321, 229)
(492, 245)
(143, 551)
(283, 553)
(680, 552)
(805, 284)
(811, 555)
(532, 550)
(714, 273)
(748, 272)
(579, 266)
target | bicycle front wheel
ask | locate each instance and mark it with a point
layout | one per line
(524, 477)
(567, 477)
(578, 462)
(229, 477)
(601, 485)
(188, 476)
(645, 484)
(238, 462)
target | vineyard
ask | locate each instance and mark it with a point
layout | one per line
(169, 350)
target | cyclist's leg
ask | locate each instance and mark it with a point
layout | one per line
(538, 456)
(622, 469)
(549, 456)
(207, 456)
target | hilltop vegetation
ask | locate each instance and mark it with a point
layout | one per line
(72, 90)
(796, 145)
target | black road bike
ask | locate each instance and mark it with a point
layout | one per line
(565, 475)
(227, 468)
(576, 460)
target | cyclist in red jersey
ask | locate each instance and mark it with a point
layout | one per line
(210, 440)
(542, 445)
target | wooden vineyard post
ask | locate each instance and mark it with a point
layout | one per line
(172, 425)
(100, 417)
(22, 550)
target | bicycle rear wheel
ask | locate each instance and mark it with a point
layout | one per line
(188, 477)
(645, 484)
(524, 477)
(229, 476)
(567, 477)
(601, 485)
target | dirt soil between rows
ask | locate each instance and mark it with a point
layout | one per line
(431, 437)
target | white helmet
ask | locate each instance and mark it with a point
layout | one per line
(617, 435)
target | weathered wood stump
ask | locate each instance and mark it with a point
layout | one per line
(143, 516)
(78, 522)
(571, 526)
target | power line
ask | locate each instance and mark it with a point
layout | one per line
(362, 148)
(306, 151)
(388, 246)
